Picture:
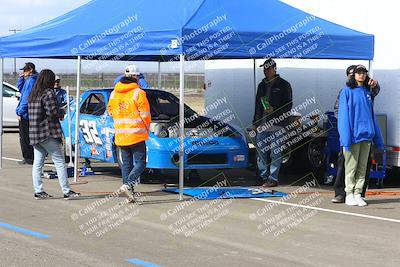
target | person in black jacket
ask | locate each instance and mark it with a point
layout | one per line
(26, 81)
(272, 111)
(340, 194)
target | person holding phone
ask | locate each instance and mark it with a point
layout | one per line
(357, 128)
(26, 81)
(273, 99)
(374, 87)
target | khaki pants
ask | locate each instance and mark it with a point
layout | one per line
(355, 167)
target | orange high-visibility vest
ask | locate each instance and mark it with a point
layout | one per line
(130, 109)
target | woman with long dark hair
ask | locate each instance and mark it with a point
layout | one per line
(45, 134)
(357, 127)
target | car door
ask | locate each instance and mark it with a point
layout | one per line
(10, 103)
(91, 122)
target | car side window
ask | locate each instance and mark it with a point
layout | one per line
(8, 92)
(163, 104)
(94, 105)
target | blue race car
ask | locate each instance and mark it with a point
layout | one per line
(208, 143)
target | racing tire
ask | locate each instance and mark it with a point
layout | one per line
(314, 153)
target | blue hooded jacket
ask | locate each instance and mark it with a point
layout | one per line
(25, 87)
(356, 119)
(141, 82)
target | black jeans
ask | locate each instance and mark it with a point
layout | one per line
(26, 148)
(339, 182)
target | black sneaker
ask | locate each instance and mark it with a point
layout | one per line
(42, 195)
(338, 199)
(26, 161)
(71, 194)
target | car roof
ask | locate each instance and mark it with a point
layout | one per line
(99, 90)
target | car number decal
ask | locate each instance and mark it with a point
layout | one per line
(90, 133)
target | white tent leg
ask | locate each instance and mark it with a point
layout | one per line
(77, 100)
(159, 76)
(1, 112)
(182, 126)
(69, 144)
(254, 77)
(370, 69)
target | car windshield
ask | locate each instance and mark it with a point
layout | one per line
(165, 105)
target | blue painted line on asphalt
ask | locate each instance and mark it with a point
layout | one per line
(142, 263)
(23, 230)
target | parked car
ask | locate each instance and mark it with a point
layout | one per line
(10, 102)
(209, 144)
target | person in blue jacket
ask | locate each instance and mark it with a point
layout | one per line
(25, 84)
(357, 128)
(141, 82)
(61, 97)
(340, 194)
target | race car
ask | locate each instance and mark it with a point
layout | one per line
(209, 143)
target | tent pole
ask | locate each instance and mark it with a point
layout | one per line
(1, 112)
(70, 164)
(254, 76)
(182, 125)
(77, 100)
(159, 75)
(370, 68)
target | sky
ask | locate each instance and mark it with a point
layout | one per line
(24, 14)
(370, 16)
(379, 18)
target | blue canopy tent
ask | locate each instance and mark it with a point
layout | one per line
(154, 30)
(99, 27)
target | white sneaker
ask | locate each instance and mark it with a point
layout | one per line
(360, 201)
(126, 190)
(350, 201)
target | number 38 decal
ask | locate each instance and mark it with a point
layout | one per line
(90, 133)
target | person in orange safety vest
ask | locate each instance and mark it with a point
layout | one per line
(130, 109)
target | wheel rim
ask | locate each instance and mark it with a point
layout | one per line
(315, 155)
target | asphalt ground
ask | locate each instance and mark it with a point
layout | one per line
(98, 229)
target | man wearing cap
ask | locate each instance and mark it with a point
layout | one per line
(61, 96)
(273, 99)
(130, 109)
(141, 81)
(339, 186)
(25, 84)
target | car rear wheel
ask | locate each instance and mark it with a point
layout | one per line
(316, 159)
